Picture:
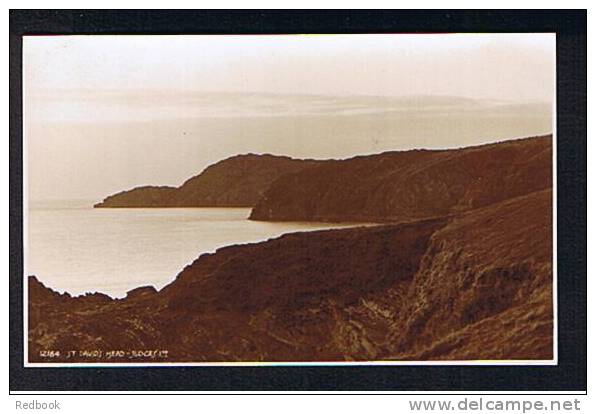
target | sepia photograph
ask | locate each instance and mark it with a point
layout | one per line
(297, 202)
(289, 199)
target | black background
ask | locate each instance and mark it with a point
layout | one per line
(569, 374)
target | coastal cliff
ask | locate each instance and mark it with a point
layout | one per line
(387, 187)
(409, 185)
(465, 276)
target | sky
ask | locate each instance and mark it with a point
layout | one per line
(105, 113)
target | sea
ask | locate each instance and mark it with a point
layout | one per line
(72, 247)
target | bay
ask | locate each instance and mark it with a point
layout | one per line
(72, 247)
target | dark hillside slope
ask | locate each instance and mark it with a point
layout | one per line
(410, 185)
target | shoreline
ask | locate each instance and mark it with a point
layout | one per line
(225, 288)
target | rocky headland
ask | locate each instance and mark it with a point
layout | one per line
(238, 181)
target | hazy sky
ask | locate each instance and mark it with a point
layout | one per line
(103, 113)
(501, 66)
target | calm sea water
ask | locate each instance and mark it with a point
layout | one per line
(75, 248)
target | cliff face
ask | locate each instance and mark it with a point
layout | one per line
(409, 185)
(476, 286)
(484, 287)
(238, 181)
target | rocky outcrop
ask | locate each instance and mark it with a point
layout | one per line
(237, 181)
(409, 185)
(475, 286)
